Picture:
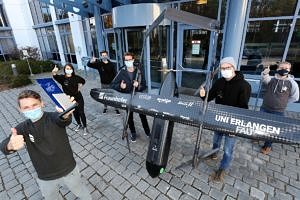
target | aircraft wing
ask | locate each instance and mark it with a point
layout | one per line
(188, 110)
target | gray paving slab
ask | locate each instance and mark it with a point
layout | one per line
(111, 172)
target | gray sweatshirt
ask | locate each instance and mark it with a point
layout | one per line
(279, 92)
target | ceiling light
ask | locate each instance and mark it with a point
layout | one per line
(199, 2)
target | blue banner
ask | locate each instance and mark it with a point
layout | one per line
(50, 87)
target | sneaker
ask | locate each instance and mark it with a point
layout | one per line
(78, 127)
(218, 176)
(133, 139)
(148, 135)
(85, 131)
(118, 112)
(265, 150)
(214, 156)
(104, 110)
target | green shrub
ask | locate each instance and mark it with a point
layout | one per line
(6, 74)
(20, 80)
(22, 67)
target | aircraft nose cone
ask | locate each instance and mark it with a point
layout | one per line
(154, 170)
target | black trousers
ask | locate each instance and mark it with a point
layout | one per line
(78, 113)
(144, 123)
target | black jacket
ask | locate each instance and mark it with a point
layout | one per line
(48, 145)
(70, 84)
(235, 92)
(123, 75)
(106, 71)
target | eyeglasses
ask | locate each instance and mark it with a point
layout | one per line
(225, 68)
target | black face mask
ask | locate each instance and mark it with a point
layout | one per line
(282, 72)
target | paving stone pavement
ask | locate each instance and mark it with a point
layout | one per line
(112, 173)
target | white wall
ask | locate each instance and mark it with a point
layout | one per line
(20, 20)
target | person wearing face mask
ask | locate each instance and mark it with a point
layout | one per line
(71, 85)
(48, 146)
(106, 71)
(231, 90)
(280, 90)
(124, 82)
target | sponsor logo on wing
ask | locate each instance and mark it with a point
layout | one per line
(166, 113)
(164, 100)
(184, 117)
(248, 127)
(145, 97)
(139, 107)
(153, 110)
(101, 95)
(112, 98)
(186, 103)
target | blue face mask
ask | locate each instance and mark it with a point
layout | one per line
(128, 63)
(34, 114)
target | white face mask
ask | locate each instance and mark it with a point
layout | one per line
(69, 71)
(227, 73)
(129, 63)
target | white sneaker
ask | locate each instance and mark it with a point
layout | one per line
(85, 131)
(78, 127)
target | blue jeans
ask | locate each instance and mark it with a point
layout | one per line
(267, 142)
(228, 148)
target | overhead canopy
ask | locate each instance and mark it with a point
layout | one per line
(185, 18)
(85, 8)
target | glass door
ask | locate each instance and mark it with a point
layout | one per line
(134, 41)
(194, 53)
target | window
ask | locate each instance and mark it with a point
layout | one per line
(90, 36)
(264, 45)
(40, 12)
(67, 43)
(107, 21)
(61, 14)
(208, 10)
(293, 55)
(3, 20)
(48, 43)
(271, 8)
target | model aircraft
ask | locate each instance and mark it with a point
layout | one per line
(188, 110)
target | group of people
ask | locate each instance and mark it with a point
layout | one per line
(233, 90)
(46, 139)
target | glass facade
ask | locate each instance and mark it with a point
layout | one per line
(8, 47)
(293, 55)
(261, 50)
(272, 8)
(89, 30)
(268, 30)
(61, 14)
(3, 20)
(67, 43)
(48, 43)
(40, 12)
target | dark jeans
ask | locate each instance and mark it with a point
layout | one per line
(78, 113)
(267, 142)
(144, 123)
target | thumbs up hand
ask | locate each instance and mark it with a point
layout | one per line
(123, 84)
(202, 92)
(55, 70)
(16, 141)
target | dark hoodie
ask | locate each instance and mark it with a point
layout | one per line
(106, 71)
(235, 92)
